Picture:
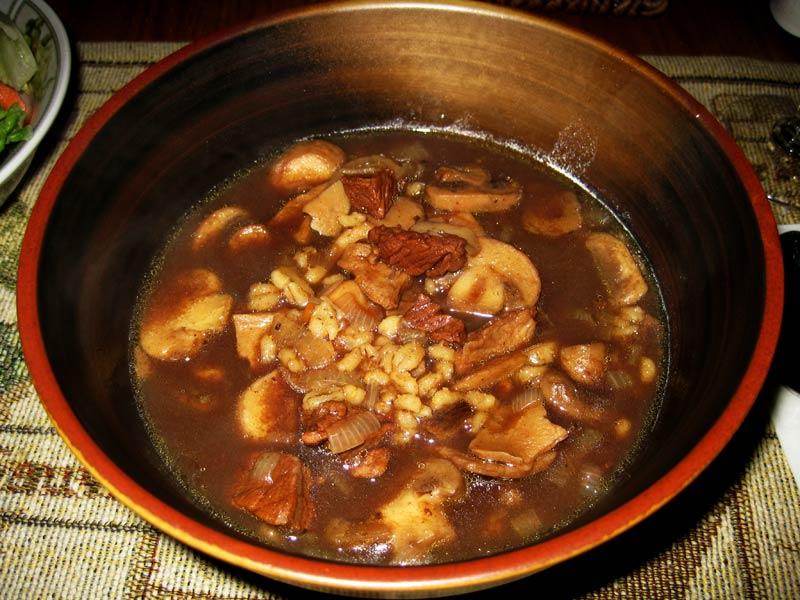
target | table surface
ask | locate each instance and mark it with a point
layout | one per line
(707, 27)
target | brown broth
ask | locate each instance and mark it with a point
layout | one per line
(193, 422)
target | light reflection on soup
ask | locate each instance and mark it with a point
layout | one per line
(398, 348)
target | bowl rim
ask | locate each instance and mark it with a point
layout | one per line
(63, 70)
(443, 578)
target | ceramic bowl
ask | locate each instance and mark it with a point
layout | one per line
(661, 161)
(49, 85)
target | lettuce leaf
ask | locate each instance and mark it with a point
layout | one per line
(17, 64)
(11, 128)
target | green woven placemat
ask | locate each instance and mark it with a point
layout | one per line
(733, 534)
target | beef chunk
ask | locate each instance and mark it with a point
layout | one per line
(371, 194)
(425, 315)
(418, 253)
(276, 489)
(379, 282)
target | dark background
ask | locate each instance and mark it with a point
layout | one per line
(692, 27)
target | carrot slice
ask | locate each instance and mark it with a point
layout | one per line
(9, 96)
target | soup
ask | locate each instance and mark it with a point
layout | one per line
(398, 348)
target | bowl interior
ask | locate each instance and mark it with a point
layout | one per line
(658, 166)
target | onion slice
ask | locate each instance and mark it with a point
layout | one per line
(373, 392)
(619, 380)
(526, 523)
(448, 228)
(317, 353)
(319, 379)
(264, 465)
(352, 431)
(370, 165)
(525, 398)
(592, 480)
(356, 315)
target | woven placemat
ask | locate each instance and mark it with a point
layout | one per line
(735, 533)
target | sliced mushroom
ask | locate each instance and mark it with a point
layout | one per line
(552, 213)
(250, 236)
(585, 363)
(490, 468)
(182, 332)
(268, 410)
(250, 329)
(418, 524)
(438, 477)
(477, 290)
(513, 266)
(305, 165)
(292, 211)
(488, 197)
(617, 268)
(562, 398)
(404, 213)
(215, 224)
(518, 437)
(470, 175)
(326, 209)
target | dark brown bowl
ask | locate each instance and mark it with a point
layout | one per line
(664, 164)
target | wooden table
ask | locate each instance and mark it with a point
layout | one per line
(708, 27)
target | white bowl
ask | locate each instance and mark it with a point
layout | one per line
(48, 100)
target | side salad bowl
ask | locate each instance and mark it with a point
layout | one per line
(45, 89)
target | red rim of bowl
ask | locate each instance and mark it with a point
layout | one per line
(321, 574)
